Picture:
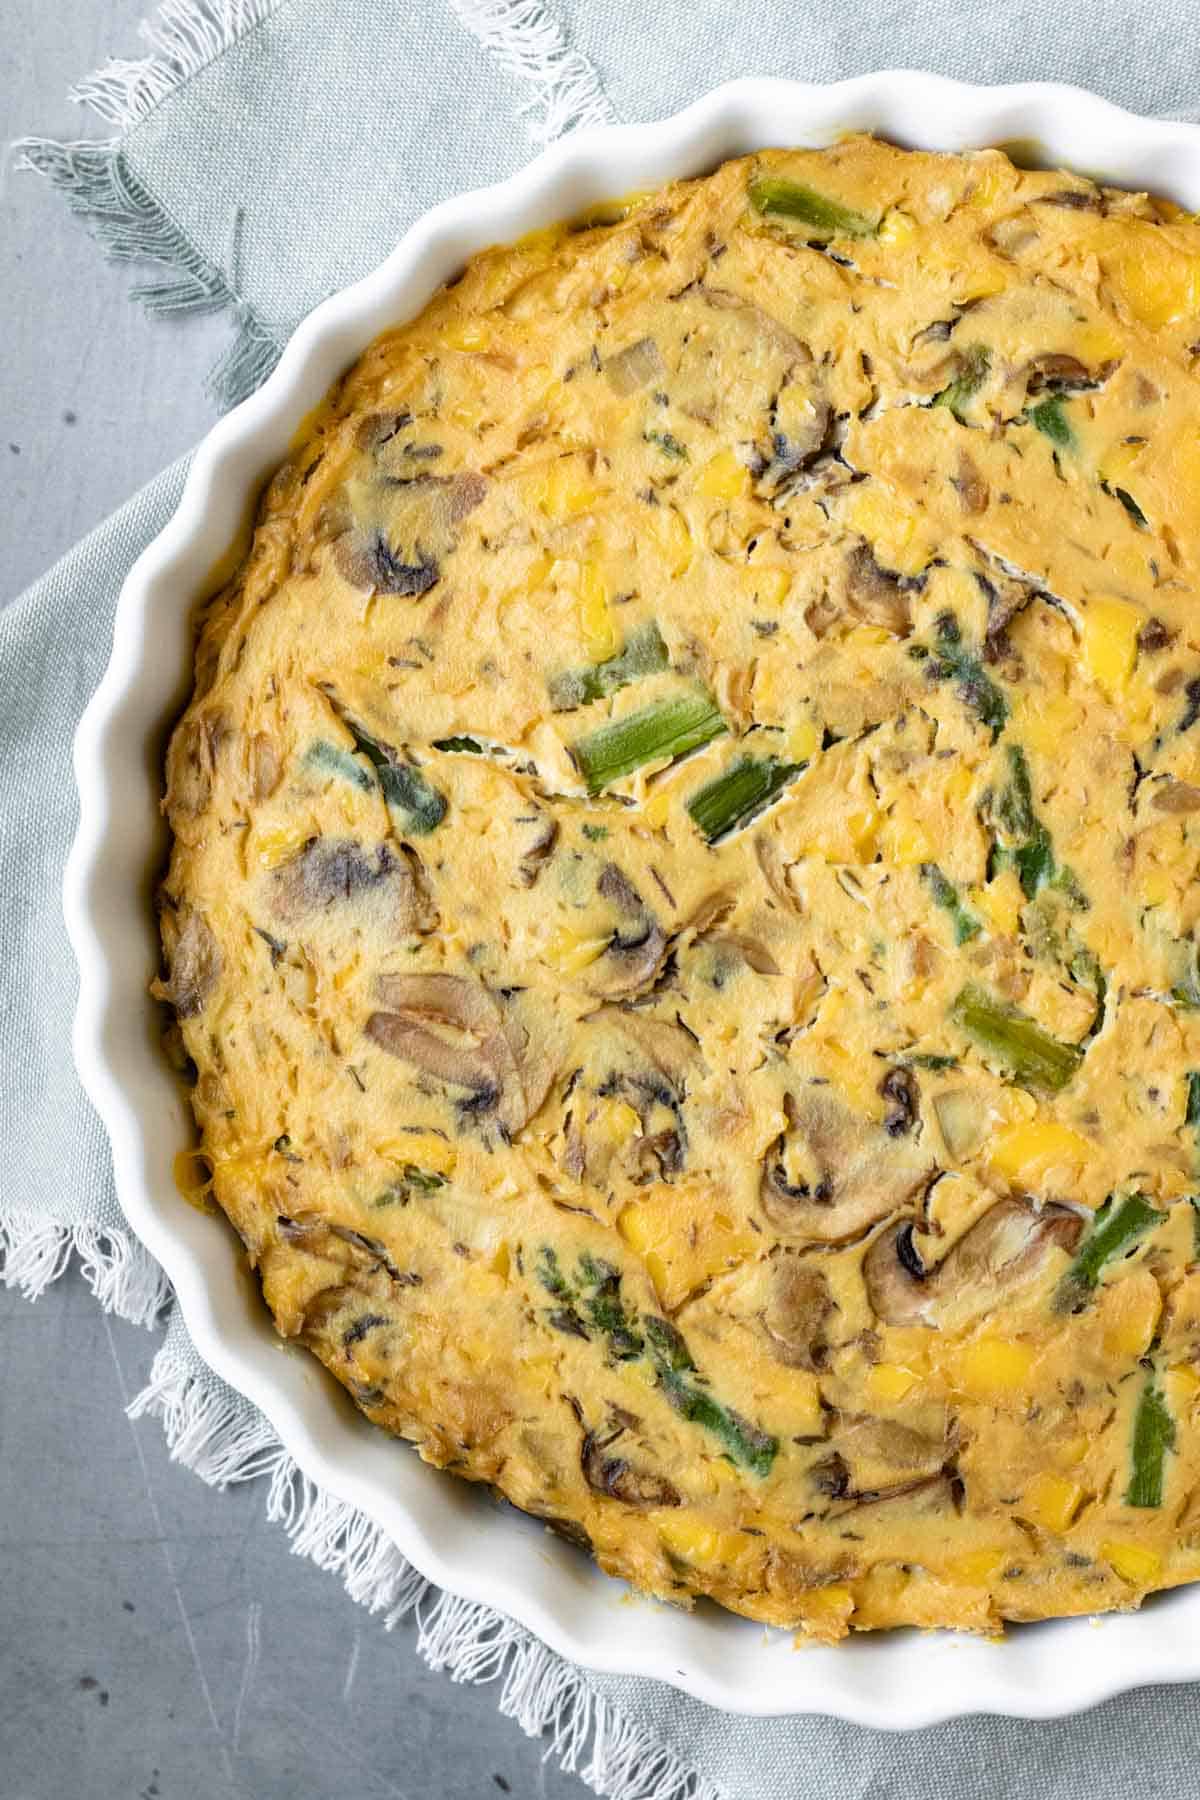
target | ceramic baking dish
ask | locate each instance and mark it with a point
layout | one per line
(451, 1532)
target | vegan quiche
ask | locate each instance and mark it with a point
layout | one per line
(683, 908)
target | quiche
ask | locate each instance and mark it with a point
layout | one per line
(682, 917)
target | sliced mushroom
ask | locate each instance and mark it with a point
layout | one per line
(541, 835)
(1055, 373)
(900, 1087)
(666, 1045)
(756, 956)
(796, 1318)
(932, 1495)
(616, 1478)
(1171, 796)
(330, 872)
(969, 485)
(832, 1174)
(195, 964)
(403, 530)
(635, 367)
(875, 594)
(1004, 1249)
(455, 1030)
(191, 764)
(883, 1454)
(638, 947)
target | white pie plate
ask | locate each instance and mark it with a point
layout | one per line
(449, 1531)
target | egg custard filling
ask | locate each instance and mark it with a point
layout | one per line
(683, 907)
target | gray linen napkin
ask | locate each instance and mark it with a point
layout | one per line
(267, 152)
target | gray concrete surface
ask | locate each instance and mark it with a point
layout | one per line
(157, 1639)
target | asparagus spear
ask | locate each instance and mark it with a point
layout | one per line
(738, 793)
(420, 807)
(1031, 849)
(592, 1303)
(416, 805)
(775, 194)
(972, 374)
(1116, 1227)
(1153, 1436)
(949, 660)
(464, 746)
(745, 1444)
(602, 1303)
(642, 654)
(668, 729)
(333, 760)
(1032, 1056)
(1051, 421)
(966, 926)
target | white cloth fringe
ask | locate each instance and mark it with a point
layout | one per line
(221, 1438)
(212, 1432)
(184, 36)
(123, 1276)
(527, 40)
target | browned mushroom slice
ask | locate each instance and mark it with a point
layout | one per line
(195, 965)
(832, 1174)
(403, 530)
(330, 872)
(1007, 1247)
(191, 764)
(1053, 372)
(666, 1045)
(456, 1031)
(638, 947)
(883, 1455)
(876, 595)
(540, 833)
(616, 1478)
(931, 1495)
(797, 1315)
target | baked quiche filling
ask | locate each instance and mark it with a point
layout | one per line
(683, 907)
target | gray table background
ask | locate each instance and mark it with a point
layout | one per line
(156, 1639)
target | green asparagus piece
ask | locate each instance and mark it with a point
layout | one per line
(738, 793)
(1030, 850)
(669, 728)
(1051, 421)
(419, 806)
(745, 1444)
(971, 376)
(774, 194)
(642, 654)
(600, 1284)
(1032, 1056)
(1153, 1436)
(1116, 1227)
(332, 760)
(966, 926)
(1192, 1113)
(949, 660)
(592, 1303)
